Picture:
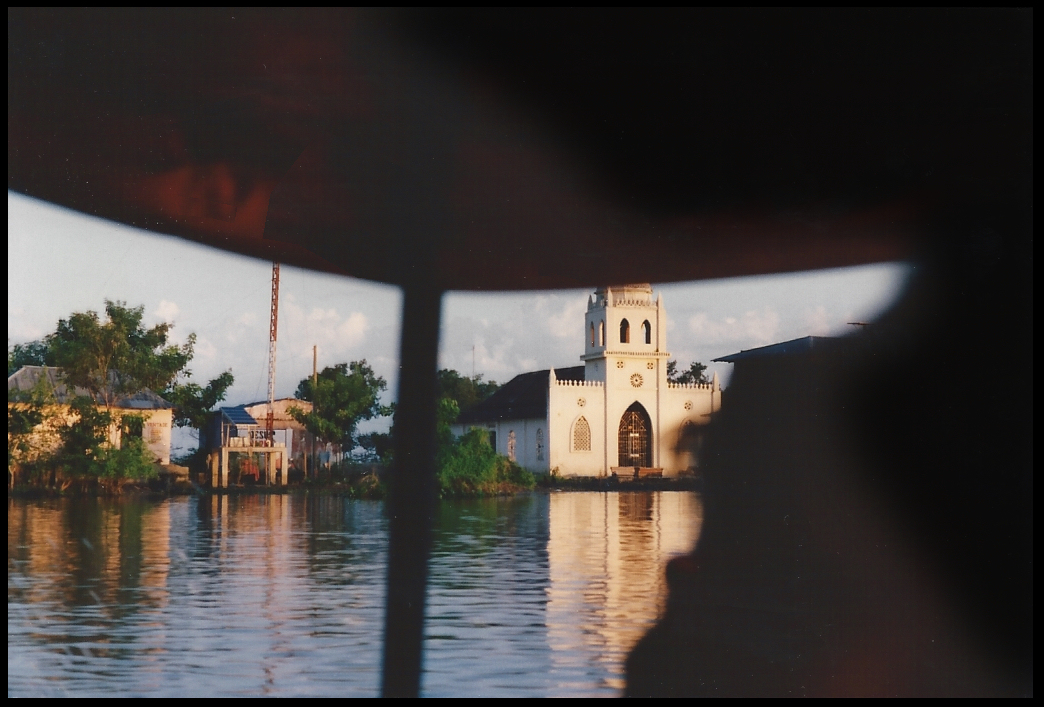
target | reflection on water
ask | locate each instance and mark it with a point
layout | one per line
(607, 584)
(283, 595)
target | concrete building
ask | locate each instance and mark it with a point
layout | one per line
(157, 413)
(617, 413)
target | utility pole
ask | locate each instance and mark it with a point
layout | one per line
(473, 362)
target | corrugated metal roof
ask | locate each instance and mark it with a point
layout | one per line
(522, 397)
(239, 416)
(785, 348)
(28, 377)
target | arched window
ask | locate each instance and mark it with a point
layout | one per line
(625, 332)
(581, 435)
(592, 334)
(647, 329)
(540, 444)
(601, 333)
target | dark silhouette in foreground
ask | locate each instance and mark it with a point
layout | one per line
(868, 511)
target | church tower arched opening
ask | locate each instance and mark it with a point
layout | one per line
(635, 437)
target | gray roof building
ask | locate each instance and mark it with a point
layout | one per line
(27, 378)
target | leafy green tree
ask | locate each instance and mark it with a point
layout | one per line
(192, 402)
(26, 412)
(467, 392)
(118, 356)
(378, 446)
(32, 353)
(85, 438)
(345, 395)
(85, 451)
(696, 373)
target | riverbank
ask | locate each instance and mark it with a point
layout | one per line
(363, 486)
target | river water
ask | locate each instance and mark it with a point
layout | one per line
(538, 595)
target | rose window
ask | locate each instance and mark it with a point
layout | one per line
(636, 380)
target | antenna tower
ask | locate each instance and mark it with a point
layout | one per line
(273, 327)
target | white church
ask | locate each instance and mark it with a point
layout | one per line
(616, 414)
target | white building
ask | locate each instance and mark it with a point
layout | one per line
(157, 414)
(615, 413)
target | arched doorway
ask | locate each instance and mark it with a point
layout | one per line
(635, 445)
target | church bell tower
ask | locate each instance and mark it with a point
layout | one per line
(625, 332)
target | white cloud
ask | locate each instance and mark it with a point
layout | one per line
(167, 311)
(817, 321)
(352, 330)
(568, 322)
(753, 328)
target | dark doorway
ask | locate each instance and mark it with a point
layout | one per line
(635, 437)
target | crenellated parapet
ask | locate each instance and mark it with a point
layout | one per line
(691, 386)
(621, 302)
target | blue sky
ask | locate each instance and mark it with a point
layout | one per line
(61, 261)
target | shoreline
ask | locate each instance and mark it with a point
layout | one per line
(368, 487)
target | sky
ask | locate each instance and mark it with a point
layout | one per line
(61, 261)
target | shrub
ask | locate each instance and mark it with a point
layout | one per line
(131, 461)
(469, 466)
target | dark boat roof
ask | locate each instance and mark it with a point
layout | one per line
(785, 348)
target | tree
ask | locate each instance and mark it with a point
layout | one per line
(467, 392)
(32, 353)
(193, 402)
(26, 413)
(117, 357)
(345, 395)
(697, 373)
(120, 357)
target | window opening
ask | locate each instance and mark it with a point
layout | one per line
(582, 435)
(647, 328)
(540, 444)
(625, 332)
(601, 333)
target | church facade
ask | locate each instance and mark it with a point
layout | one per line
(617, 413)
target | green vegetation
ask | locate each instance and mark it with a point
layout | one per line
(466, 392)
(343, 396)
(32, 353)
(469, 466)
(119, 357)
(696, 373)
(109, 358)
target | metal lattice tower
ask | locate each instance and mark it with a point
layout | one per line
(273, 327)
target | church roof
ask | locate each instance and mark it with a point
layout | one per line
(522, 397)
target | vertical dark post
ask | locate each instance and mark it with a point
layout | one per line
(412, 492)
